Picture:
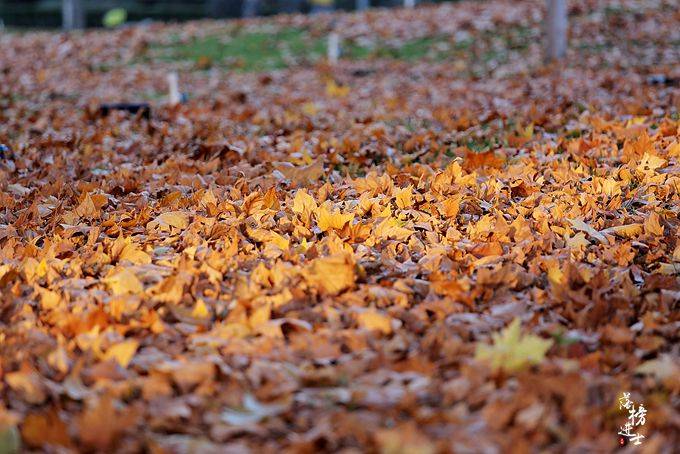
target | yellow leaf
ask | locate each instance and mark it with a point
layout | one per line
(124, 282)
(310, 108)
(87, 208)
(304, 204)
(611, 187)
(260, 315)
(335, 90)
(279, 241)
(200, 310)
(390, 228)
(451, 206)
(130, 252)
(674, 150)
(626, 231)
(372, 319)
(122, 352)
(170, 219)
(556, 275)
(331, 274)
(650, 162)
(49, 299)
(526, 133)
(41, 270)
(327, 220)
(578, 242)
(511, 351)
(404, 197)
(59, 359)
(653, 225)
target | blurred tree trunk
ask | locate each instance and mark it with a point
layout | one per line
(556, 29)
(250, 8)
(217, 8)
(322, 6)
(72, 14)
(290, 6)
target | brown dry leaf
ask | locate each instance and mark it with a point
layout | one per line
(653, 225)
(39, 430)
(578, 224)
(626, 231)
(100, 425)
(87, 209)
(406, 438)
(28, 383)
(490, 159)
(665, 369)
(165, 221)
(301, 174)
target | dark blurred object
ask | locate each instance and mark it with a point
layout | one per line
(4, 151)
(662, 79)
(363, 72)
(48, 13)
(143, 109)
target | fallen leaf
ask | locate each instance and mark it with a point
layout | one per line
(331, 274)
(578, 224)
(165, 221)
(372, 319)
(124, 282)
(122, 352)
(511, 351)
(327, 220)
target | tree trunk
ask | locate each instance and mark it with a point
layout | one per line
(250, 8)
(556, 29)
(290, 6)
(322, 6)
(72, 14)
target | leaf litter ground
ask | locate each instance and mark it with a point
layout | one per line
(438, 245)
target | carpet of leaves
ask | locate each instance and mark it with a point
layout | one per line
(467, 255)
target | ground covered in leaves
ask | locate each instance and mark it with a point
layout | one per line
(438, 245)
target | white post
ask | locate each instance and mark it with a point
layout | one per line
(362, 5)
(174, 96)
(409, 3)
(333, 48)
(72, 14)
(556, 29)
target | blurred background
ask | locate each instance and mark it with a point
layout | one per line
(93, 13)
